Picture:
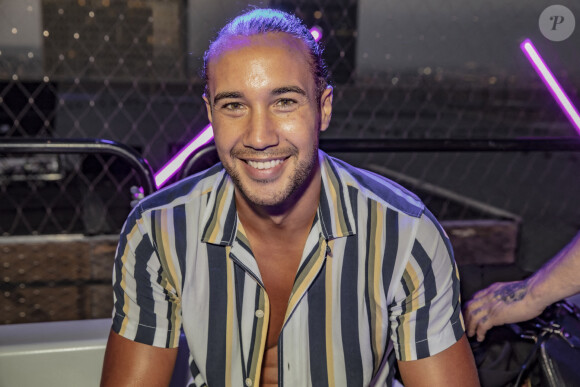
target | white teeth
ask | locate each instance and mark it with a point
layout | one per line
(264, 164)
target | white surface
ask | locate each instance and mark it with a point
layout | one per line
(67, 353)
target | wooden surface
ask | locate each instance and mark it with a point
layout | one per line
(483, 242)
(55, 278)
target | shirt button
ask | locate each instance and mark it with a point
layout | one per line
(248, 382)
(259, 314)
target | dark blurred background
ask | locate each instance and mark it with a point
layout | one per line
(127, 71)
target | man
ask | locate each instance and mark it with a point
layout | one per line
(510, 302)
(284, 266)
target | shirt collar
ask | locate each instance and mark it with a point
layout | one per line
(335, 209)
(220, 218)
(337, 199)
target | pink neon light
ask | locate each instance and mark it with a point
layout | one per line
(177, 161)
(316, 33)
(205, 136)
(551, 82)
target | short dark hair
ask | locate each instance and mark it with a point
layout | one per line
(262, 21)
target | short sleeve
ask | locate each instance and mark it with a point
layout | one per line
(425, 315)
(146, 305)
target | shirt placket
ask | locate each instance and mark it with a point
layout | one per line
(312, 263)
(252, 366)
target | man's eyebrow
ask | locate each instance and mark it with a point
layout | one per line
(227, 94)
(288, 89)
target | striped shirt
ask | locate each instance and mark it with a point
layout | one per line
(376, 281)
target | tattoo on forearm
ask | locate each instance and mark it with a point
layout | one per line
(512, 292)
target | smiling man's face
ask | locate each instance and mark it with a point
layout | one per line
(265, 115)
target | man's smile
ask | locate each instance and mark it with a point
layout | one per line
(265, 164)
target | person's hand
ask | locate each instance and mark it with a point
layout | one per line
(498, 304)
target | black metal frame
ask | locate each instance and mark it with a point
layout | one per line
(419, 145)
(80, 146)
(451, 145)
(83, 146)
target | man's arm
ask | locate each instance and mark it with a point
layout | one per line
(452, 367)
(509, 302)
(129, 363)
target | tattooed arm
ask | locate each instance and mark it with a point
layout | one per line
(509, 302)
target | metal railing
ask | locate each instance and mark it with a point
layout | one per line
(83, 146)
(207, 155)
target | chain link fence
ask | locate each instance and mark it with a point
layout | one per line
(127, 71)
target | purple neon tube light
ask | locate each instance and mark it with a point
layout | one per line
(551, 82)
(177, 161)
(204, 137)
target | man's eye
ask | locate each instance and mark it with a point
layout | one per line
(285, 103)
(232, 106)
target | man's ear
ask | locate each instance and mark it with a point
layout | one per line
(325, 108)
(207, 107)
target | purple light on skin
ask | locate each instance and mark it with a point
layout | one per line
(177, 161)
(551, 82)
(205, 136)
(316, 33)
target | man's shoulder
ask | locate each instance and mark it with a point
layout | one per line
(184, 191)
(377, 187)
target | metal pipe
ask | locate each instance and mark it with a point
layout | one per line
(80, 146)
(346, 145)
(451, 145)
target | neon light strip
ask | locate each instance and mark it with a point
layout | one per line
(177, 161)
(206, 135)
(551, 82)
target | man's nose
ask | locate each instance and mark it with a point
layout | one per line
(261, 132)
